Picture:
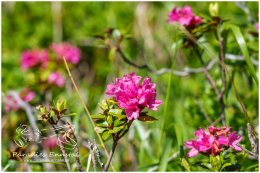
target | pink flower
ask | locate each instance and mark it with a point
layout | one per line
(133, 96)
(257, 26)
(184, 16)
(231, 141)
(212, 142)
(33, 58)
(70, 52)
(50, 142)
(56, 79)
(12, 105)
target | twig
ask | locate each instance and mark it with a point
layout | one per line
(223, 78)
(27, 108)
(76, 150)
(254, 141)
(88, 163)
(86, 109)
(111, 155)
(62, 148)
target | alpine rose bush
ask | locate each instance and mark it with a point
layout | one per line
(70, 52)
(33, 58)
(133, 96)
(184, 16)
(213, 141)
(56, 78)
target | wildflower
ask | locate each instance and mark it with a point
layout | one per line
(12, 104)
(56, 79)
(257, 26)
(33, 58)
(70, 52)
(213, 141)
(184, 16)
(133, 96)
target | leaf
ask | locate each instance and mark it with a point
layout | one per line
(111, 55)
(165, 154)
(185, 164)
(105, 135)
(119, 122)
(243, 47)
(99, 116)
(117, 113)
(146, 118)
(101, 123)
(109, 120)
(100, 129)
(116, 129)
(225, 165)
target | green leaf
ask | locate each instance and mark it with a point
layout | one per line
(118, 113)
(165, 154)
(99, 116)
(101, 123)
(243, 47)
(146, 118)
(109, 120)
(225, 165)
(116, 129)
(119, 122)
(185, 164)
(105, 135)
(111, 55)
(100, 129)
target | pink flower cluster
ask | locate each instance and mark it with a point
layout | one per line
(213, 141)
(56, 78)
(70, 52)
(184, 16)
(12, 105)
(257, 26)
(133, 96)
(33, 58)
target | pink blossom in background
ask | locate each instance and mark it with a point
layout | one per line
(33, 58)
(184, 16)
(56, 79)
(213, 141)
(70, 52)
(50, 142)
(12, 105)
(133, 96)
(257, 26)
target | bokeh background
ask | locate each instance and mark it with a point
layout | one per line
(29, 25)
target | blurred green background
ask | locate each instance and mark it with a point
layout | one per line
(186, 100)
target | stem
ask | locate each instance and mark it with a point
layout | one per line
(223, 78)
(86, 109)
(77, 154)
(111, 155)
(62, 149)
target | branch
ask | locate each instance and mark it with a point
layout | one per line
(111, 155)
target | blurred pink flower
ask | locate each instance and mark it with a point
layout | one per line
(184, 16)
(257, 26)
(12, 105)
(50, 142)
(132, 96)
(33, 58)
(70, 52)
(56, 79)
(212, 142)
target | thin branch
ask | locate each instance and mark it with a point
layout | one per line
(62, 148)
(223, 78)
(86, 109)
(111, 155)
